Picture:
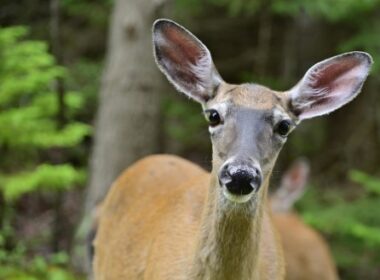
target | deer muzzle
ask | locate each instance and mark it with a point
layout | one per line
(240, 180)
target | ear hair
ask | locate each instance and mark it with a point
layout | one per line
(292, 186)
(184, 60)
(330, 84)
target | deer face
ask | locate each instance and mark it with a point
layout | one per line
(249, 123)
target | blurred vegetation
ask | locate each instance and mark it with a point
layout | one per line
(32, 140)
(15, 267)
(28, 119)
(351, 223)
(270, 42)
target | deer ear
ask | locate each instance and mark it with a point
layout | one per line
(330, 84)
(185, 61)
(293, 184)
(295, 178)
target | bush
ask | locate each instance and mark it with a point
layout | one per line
(352, 225)
(34, 142)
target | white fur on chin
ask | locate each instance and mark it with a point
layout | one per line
(237, 198)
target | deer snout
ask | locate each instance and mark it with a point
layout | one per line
(240, 180)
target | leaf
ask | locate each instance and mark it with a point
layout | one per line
(44, 177)
(371, 184)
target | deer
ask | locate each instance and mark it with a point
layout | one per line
(307, 255)
(167, 218)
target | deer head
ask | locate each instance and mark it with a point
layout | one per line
(250, 123)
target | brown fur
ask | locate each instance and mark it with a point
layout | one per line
(307, 256)
(165, 218)
(249, 95)
(161, 221)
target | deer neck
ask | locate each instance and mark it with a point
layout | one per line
(228, 243)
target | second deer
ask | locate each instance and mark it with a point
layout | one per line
(306, 253)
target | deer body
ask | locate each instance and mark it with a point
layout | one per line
(164, 218)
(173, 238)
(306, 253)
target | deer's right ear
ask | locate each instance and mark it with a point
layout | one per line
(330, 84)
(185, 61)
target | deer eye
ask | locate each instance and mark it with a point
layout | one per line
(213, 117)
(283, 127)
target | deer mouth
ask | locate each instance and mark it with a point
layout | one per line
(237, 198)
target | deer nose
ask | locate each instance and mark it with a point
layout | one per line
(240, 180)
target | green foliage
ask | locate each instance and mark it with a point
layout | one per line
(34, 126)
(26, 66)
(85, 74)
(236, 7)
(233, 8)
(353, 225)
(46, 177)
(370, 183)
(14, 266)
(329, 9)
(94, 11)
(309, 139)
(28, 105)
(364, 35)
(28, 116)
(33, 143)
(185, 123)
(46, 272)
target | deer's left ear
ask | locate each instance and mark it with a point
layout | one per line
(185, 61)
(330, 84)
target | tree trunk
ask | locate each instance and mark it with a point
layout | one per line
(127, 124)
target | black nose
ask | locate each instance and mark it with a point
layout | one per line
(242, 181)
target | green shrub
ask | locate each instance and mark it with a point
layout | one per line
(352, 225)
(34, 142)
(28, 117)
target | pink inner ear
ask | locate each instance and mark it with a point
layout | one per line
(325, 77)
(184, 60)
(330, 84)
(179, 63)
(180, 54)
(297, 175)
(295, 178)
(181, 50)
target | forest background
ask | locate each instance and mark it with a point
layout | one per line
(81, 99)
